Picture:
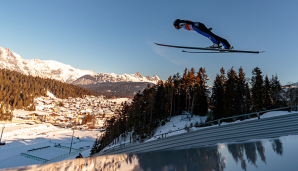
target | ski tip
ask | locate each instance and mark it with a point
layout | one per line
(258, 52)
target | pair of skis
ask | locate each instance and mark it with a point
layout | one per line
(211, 50)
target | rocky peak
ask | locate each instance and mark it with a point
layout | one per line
(8, 50)
(138, 75)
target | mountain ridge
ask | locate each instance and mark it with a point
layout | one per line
(64, 72)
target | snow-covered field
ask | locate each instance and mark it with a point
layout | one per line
(20, 138)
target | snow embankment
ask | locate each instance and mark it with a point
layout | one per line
(176, 125)
(276, 113)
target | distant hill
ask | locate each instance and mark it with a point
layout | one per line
(118, 89)
(18, 91)
(114, 86)
(114, 78)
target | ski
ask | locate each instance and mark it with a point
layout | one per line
(211, 49)
(210, 52)
(202, 52)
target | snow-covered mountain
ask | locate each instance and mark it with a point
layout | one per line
(112, 78)
(35, 67)
(62, 72)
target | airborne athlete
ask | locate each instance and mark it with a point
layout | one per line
(203, 30)
(218, 42)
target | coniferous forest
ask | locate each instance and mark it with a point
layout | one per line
(18, 91)
(231, 94)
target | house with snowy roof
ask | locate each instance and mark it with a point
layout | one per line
(53, 116)
(33, 116)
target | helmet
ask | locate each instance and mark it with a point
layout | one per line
(176, 22)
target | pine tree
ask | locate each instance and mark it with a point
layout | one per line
(2, 113)
(277, 100)
(257, 89)
(201, 104)
(20, 104)
(177, 93)
(94, 147)
(217, 99)
(230, 95)
(191, 88)
(184, 86)
(267, 95)
(170, 95)
(240, 105)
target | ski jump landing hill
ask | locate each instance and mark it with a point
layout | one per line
(254, 129)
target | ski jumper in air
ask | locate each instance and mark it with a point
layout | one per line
(203, 30)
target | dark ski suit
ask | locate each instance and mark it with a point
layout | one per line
(203, 30)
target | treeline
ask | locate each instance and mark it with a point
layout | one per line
(232, 94)
(18, 91)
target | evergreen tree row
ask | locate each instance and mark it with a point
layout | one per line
(232, 94)
(18, 91)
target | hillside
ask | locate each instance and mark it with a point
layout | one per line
(118, 89)
(18, 91)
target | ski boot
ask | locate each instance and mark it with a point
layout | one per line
(226, 50)
(216, 46)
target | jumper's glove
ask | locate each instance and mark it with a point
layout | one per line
(210, 28)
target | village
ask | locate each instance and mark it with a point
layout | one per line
(70, 112)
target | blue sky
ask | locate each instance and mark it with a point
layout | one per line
(117, 36)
